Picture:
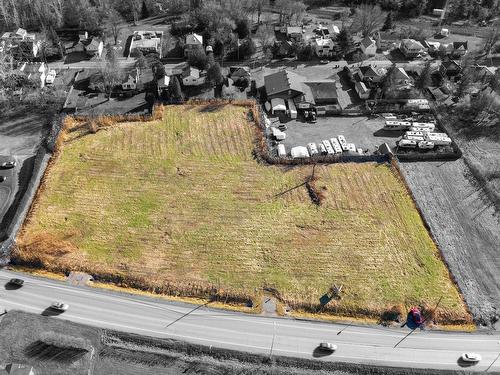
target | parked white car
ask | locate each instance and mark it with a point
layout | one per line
(51, 76)
(281, 150)
(313, 150)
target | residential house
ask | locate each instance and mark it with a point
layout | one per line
(146, 42)
(362, 90)
(445, 49)
(450, 68)
(21, 44)
(322, 96)
(323, 47)
(439, 94)
(432, 46)
(131, 81)
(371, 73)
(192, 77)
(401, 78)
(412, 48)
(36, 72)
(294, 33)
(438, 12)
(194, 42)
(459, 49)
(176, 69)
(83, 35)
(94, 47)
(284, 49)
(19, 369)
(485, 72)
(237, 73)
(162, 85)
(368, 46)
(387, 41)
(323, 31)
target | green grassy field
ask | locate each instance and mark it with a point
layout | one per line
(181, 202)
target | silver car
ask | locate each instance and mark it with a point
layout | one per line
(328, 346)
(59, 306)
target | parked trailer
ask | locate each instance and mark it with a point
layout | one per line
(407, 143)
(397, 125)
(299, 152)
(328, 146)
(414, 134)
(424, 125)
(281, 150)
(322, 149)
(351, 147)
(426, 145)
(438, 141)
(419, 129)
(313, 150)
(278, 134)
(414, 138)
(336, 145)
(292, 109)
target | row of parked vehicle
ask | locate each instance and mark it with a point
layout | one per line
(332, 146)
(423, 139)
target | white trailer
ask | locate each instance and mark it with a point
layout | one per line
(424, 125)
(438, 141)
(407, 143)
(397, 125)
(313, 150)
(292, 109)
(278, 134)
(281, 150)
(299, 152)
(336, 145)
(414, 137)
(328, 146)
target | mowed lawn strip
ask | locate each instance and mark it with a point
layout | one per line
(182, 201)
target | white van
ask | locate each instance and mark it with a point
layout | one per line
(278, 134)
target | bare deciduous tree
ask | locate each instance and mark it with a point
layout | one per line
(368, 18)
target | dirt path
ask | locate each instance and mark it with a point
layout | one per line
(465, 228)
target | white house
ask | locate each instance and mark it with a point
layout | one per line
(411, 48)
(368, 46)
(94, 48)
(162, 84)
(323, 47)
(362, 90)
(35, 72)
(131, 81)
(192, 77)
(194, 42)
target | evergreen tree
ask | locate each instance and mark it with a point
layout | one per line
(424, 80)
(174, 89)
(345, 42)
(388, 24)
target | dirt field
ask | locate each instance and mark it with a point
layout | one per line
(465, 227)
(182, 205)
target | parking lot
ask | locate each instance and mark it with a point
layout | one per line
(364, 132)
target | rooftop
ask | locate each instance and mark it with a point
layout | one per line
(282, 81)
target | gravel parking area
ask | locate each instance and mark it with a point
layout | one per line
(465, 227)
(365, 133)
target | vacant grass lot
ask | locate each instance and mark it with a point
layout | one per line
(181, 204)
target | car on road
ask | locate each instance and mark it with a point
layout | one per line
(8, 164)
(59, 306)
(470, 357)
(328, 346)
(324, 62)
(16, 282)
(416, 315)
(51, 76)
(3, 178)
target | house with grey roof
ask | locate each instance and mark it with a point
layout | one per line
(412, 48)
(368, 46)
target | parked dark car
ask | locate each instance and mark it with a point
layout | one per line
(2, 178)
(8, 164)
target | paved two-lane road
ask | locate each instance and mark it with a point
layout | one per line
(154, 317)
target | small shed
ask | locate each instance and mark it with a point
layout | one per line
(445, 32)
